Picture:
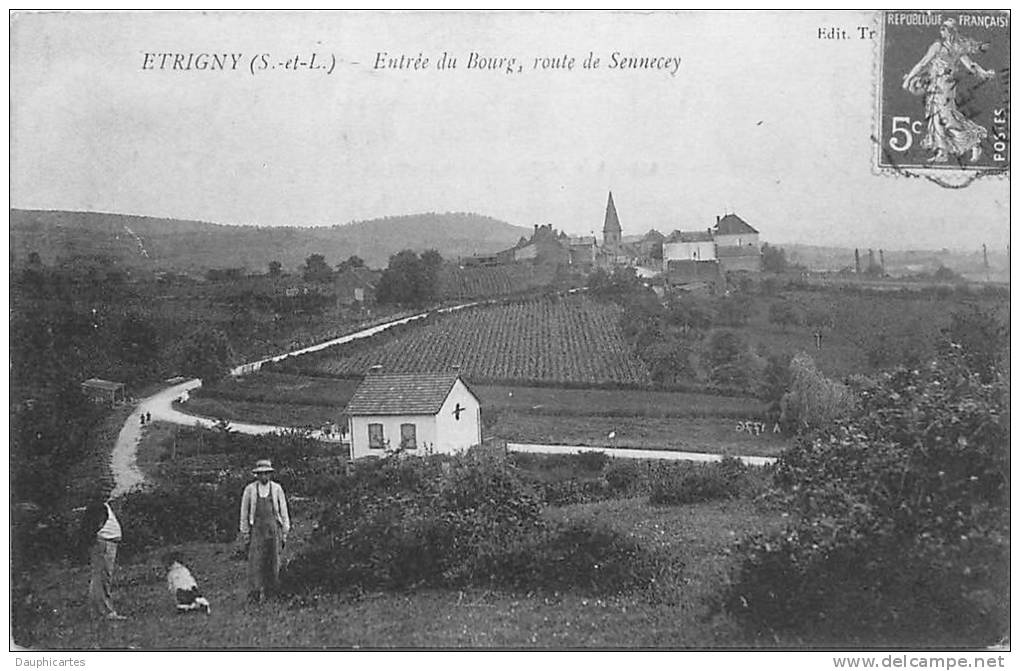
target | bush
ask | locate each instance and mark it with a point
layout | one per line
(626, 477)
(443, 521)
(578, 556)
(902, 515)
(814, 401)
(679, 483)
(567, 492)
(196, 512)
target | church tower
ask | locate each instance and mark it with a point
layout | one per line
(611, 231)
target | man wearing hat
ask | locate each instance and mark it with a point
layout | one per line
(265, 524)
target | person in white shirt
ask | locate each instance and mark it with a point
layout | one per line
(182, 585)
(265, 523)
(100, 533)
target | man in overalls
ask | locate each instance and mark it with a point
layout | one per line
(265, 523)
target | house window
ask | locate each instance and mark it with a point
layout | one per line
(408, 437)
(375, 437)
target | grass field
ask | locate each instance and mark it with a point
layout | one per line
(690, 434)
(700, 535)
(639, 418)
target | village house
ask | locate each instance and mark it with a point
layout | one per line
(737, 246)
(417, 412)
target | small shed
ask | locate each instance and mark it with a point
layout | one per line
(103, 391)
(422, 412)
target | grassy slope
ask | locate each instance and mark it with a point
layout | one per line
(700, 535)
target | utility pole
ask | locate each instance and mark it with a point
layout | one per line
(857, 261)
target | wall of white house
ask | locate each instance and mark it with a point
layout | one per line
(688, 251)
(425, 432)
(442, 432)
(453, 434)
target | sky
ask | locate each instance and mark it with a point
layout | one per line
(761, 118)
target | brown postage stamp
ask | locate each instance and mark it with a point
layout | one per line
(944, 91)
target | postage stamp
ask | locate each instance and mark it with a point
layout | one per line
(943, 91)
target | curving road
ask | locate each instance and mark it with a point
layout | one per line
(123, 460)
(127, 475)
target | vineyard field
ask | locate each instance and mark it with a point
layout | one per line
(485, 282)
(550, 340)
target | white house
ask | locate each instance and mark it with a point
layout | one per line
(688, 246)
(413, 411)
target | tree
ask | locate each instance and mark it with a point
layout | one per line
(784, 314)
(410, 279)
(351, 263)
(813, 401)
(669, 360)
(316, 269)
(207, 355)
(275, 269)
(734, 310)
(982, 340)
(138, 341)
(730, 361)
(773, 259)
(691, 312)
(900, 510)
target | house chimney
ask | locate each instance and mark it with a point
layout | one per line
(536, 229)
(717, 219)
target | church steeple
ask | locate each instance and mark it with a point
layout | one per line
(611, 231)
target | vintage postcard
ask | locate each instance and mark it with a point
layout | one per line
(511, 330)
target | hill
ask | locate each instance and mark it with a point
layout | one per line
(150, 243)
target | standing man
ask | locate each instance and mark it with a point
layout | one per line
(101, 532)
(265, 523)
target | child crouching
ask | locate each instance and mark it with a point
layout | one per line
(182, 585)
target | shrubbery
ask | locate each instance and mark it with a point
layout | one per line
(814, 401)
(626, 477)
(682, 482)
(447, 521)
(199, 512)
(902, 518)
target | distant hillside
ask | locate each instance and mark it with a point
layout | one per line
(163, 244)
(967, 262)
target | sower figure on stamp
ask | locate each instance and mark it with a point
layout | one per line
(100, 532)
(948, 130)
(265, 523)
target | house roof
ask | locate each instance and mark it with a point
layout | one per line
(583, 240)
(731, 224)
(105, 385)
(401, 394)
(690, 236)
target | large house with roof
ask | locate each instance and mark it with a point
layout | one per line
(416, 412)
(732, 243)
